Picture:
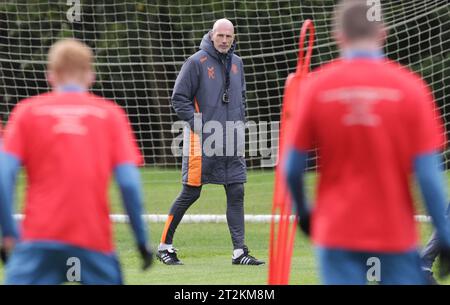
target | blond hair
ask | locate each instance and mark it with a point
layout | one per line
(70, 56)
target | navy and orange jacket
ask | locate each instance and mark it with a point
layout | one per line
(199, 88)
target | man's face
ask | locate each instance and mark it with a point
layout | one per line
(223, 39)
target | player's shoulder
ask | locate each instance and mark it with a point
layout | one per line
(36, 99)
(317, 76)
(405, 73)
(391, 70)
(325, 70)
(106, 104)
(27, 104)
(410, 82)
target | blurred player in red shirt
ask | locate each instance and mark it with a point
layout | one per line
(373, 124)
(70, 143)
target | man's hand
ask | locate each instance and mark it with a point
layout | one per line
(146, 255)
(8, 244)
(304, 221)
(444, 262)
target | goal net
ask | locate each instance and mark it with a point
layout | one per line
(141, 45)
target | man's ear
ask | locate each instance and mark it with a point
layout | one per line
(91, 79)
(383, 36)
(339, 38)
(50, 78)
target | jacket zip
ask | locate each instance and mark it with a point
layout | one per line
(226, 120)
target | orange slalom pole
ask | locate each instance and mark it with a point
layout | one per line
(282, 233)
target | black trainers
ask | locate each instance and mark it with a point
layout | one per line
(169, 257)
(246, 259)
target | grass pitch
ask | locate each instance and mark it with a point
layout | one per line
(205, 248)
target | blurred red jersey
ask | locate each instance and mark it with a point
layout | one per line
(69, 144)
(368, 119)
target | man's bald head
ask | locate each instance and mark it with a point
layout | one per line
(223, 24)
(223, 35)
(70, 61)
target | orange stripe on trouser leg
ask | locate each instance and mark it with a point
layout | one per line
(195, 161)
(166, 229)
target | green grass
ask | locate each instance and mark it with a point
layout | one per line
(206, 248)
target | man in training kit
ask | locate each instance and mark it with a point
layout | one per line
(69, 142)
(211, 89)
(374, 124)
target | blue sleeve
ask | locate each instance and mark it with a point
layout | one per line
(432, 185)
(128, 179)
(9, 167)
(294, 167)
